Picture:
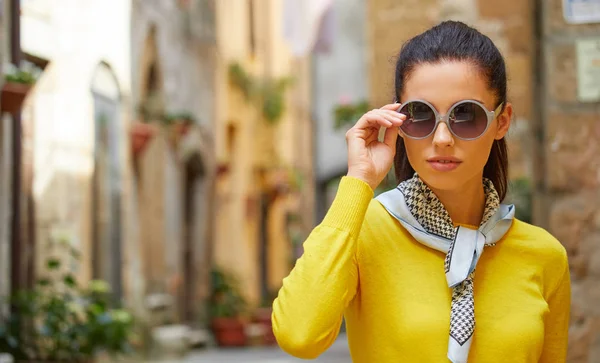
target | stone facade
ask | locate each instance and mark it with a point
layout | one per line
(60, 119)
(172, 62)
(140, 220)
(569, 171)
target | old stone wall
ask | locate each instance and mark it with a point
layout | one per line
(173, 55)
(568, 202)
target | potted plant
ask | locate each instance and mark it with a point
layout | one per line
(59, 321)
(141, 133)
(17, 83)
(346, 113)
(227, 307)
(262, 316)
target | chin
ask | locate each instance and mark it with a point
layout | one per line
(442, 180)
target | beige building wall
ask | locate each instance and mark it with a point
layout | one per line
(254, 156)
(173, 52)
(59, 115)
(78, 39)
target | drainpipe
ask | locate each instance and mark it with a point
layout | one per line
(16, 246)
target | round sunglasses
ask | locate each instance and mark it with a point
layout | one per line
(467, 120)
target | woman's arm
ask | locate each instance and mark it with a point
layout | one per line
(557, 320)
(308, 311)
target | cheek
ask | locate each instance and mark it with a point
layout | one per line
(417, 152)
(476, 152)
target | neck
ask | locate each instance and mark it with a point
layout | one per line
(465, 206)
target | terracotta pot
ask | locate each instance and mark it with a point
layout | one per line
(13, 95)
(229, 332)
(222, 169)
(263, 317)
(141, 134)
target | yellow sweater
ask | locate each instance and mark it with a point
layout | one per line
(361, 263)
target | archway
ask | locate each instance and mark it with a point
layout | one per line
(193, 178)
(107, 180)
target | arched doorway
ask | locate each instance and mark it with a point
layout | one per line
(107, 181)
(193, 245)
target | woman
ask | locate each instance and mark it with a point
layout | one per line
(414, 269)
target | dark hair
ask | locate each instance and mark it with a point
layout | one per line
(456, 41)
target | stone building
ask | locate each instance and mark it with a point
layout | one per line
(81, 95)
(554, 138)
(129, 188)
(172, 63)
(143, 152)
(264, 187)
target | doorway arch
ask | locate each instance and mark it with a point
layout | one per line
(107, 180)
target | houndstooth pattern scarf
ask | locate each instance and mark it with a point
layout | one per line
(419, 210)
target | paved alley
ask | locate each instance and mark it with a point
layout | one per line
(337, 353)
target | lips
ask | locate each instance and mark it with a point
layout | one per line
(444, 163)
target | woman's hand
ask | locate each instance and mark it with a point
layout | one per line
(369, 159)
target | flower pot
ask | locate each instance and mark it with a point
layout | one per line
(141, 134)
(229, 332)
(13, 95)
(177, 131)
(222, 168)
(263, 317)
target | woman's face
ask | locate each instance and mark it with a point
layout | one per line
(442, 85)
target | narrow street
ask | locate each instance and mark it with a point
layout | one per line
(337, 353)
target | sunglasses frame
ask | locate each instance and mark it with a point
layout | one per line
(491, 115)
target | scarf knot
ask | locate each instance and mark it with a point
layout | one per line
(423, 215)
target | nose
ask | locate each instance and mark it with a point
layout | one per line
(442, 136)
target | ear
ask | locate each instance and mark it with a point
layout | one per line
(504, 120)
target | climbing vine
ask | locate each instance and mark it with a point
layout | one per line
(268, 94)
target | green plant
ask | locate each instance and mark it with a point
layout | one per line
(151, 108)
(27, 73)
(226, 300)
(58, 320)
(268, 93)
(184, 117)
(345, 114)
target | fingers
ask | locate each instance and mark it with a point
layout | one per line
(390, 137)
(380, 118)
(391, 106)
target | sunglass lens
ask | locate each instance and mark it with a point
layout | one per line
(468, 120)
(420, 119)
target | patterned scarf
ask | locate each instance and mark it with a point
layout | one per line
(423, 215)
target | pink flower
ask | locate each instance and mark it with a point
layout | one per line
(345, 100)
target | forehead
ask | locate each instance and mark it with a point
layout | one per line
(445, 83)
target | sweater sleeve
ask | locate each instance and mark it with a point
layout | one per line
(557, 320)
(308, 311)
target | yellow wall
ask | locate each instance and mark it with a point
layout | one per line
(258, 146)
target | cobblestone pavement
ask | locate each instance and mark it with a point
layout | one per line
(337, 353)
